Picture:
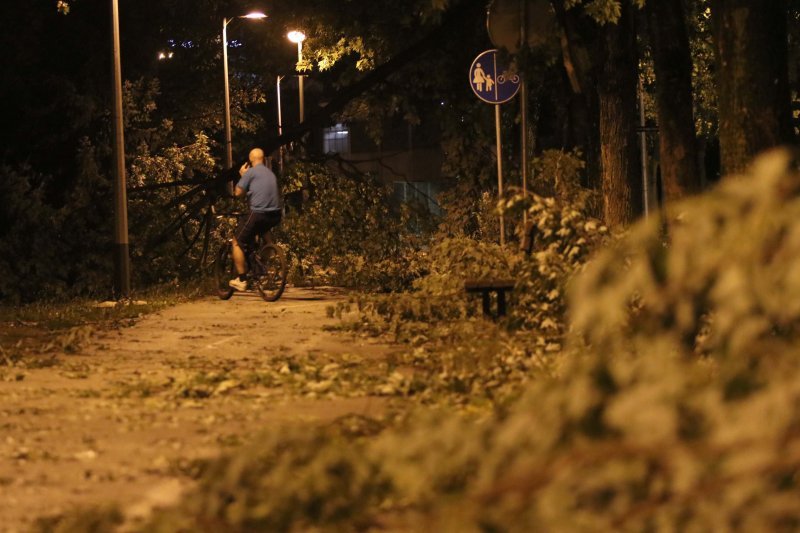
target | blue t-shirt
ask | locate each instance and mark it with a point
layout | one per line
(261, 187)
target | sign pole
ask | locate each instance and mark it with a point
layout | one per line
(643, 148)
(495, 83)
(524, 109)
(524, 125)
(500, 172)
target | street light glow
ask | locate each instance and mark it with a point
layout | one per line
(257, 15)
(296, 36)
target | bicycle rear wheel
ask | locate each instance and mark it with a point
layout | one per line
(224, 271)
(269, 272)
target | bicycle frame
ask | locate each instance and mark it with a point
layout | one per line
(266, 264)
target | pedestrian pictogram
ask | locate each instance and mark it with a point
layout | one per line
(492, 81)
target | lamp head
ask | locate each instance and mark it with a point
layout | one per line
(296, 36)
(255, 15)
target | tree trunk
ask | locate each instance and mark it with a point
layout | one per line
(669, 40)
(751, 46)
(616, 88)
(579, 41)
(584, 125)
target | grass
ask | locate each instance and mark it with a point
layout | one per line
(63, 325)
(55, 315)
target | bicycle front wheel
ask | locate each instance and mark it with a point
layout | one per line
(269, 272)
(224, 271)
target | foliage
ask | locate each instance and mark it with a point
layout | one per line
(703, 286)
(613, 444)
(558, 174)
(343, 45)
(603, 11)
(328, 488)
(456, 357)
(23, 215)
(563, 236)
(90, 520)
(345, 231)
(439, 295)
(66, 228)
(461, 205)
(703, 75)
(40, 236)
(366, 31)
(163, 249)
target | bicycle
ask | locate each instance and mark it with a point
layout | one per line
(508, 76)
(266, 264)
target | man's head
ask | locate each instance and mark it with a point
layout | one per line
(256, 156)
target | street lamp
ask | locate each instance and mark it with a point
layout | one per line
(122, 262)
(280, 122)
(256, 15)
(298, 37)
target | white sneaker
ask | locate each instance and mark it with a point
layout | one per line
(238, 284)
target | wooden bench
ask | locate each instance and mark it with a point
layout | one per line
(488, 286)
(500, 286)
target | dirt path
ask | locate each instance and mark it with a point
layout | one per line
(128, 417)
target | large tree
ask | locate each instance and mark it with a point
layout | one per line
(751, 42)
(669, 42)
(600, 56)
(622, 184)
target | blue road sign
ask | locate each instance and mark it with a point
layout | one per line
(492, 81)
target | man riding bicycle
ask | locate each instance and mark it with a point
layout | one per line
(260, 186)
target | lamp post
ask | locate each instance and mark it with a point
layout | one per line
(298, 37)
(280, 123)
(228, 141)
(122, 264)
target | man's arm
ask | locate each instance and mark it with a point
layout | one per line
(242, 191)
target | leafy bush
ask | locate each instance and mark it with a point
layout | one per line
(345, 231)
(471, 213)
(56, 236)
(458, 358)
(25, 220)
(288, 482)
(169, 224)
(438, 296)
(559, 174)
(720, 278)
(564, 238)
(615, 444)
(54, 249)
